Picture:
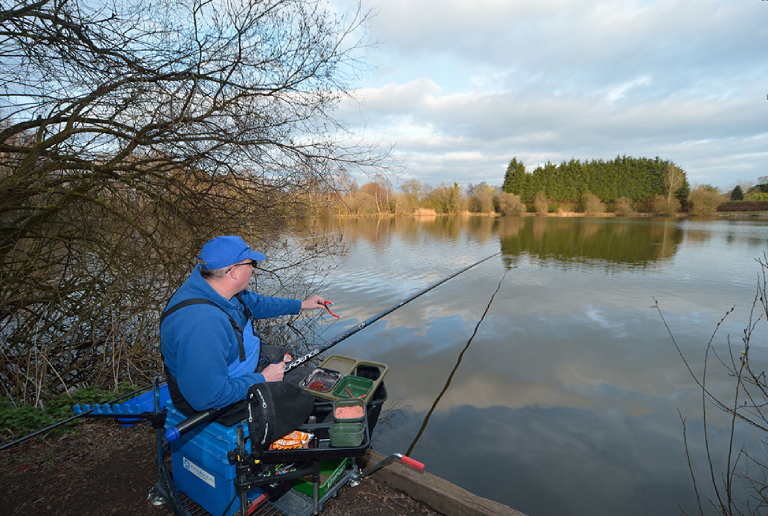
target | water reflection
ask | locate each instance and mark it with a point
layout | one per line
(453, 371)
(590, 241)
(377, 231)
(566, 401)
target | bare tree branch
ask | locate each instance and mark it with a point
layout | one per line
(130, 133)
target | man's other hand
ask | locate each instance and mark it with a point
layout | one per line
(274, 372)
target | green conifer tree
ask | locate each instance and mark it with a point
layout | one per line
(737, 194)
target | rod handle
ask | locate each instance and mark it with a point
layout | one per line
(412, 463)
(190, 423)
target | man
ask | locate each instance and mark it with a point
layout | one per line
(210, 350)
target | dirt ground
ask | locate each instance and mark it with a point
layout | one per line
(105, 469)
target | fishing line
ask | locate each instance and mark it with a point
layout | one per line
(455, 368)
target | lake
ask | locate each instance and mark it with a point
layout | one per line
(568, 400)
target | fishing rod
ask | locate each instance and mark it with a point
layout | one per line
(328, 345)
(188, 424)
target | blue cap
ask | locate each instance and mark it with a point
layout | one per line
(226, 250)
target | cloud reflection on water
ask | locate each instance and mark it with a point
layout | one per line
(566, 402)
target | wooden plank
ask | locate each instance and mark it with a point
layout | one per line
(443, 496)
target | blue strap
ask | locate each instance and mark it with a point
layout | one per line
(202, 301)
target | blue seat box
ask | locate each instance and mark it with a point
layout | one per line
(201, 469)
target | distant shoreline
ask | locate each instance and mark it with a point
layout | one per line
(739, 215)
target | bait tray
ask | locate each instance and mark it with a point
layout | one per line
(328, 377)
(348, 366)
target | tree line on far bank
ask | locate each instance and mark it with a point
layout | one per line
(624, 186)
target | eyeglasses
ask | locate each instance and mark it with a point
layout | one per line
(253, 265)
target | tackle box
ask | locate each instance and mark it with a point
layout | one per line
(331, 470)
(201, 469)
(357, 370)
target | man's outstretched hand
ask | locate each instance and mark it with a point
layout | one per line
(313, 303)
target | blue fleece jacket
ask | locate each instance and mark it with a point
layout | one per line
(198, 342)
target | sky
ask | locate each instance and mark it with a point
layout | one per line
(460, 87)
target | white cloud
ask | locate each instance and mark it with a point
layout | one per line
(620, 91)
(551, 80)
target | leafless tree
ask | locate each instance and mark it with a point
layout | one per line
(674, 179)
(740, 482)
(131, 132)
